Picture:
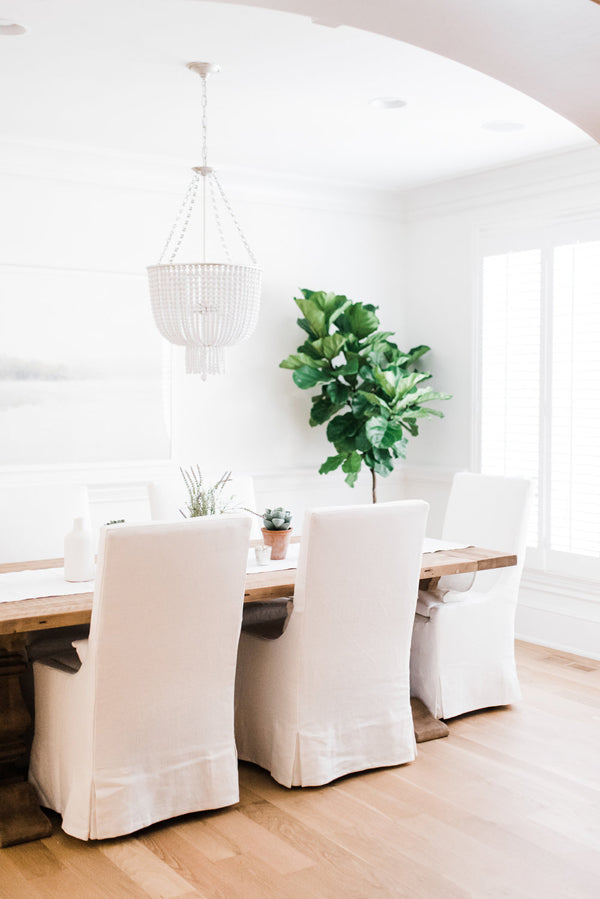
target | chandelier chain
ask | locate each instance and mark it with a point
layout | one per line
(185, 210)
(186, 207)
(234, 219)
(204, 123)
(215, 209)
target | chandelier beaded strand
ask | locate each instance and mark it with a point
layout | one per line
(204, 306)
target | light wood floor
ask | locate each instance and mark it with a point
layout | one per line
(507, 806)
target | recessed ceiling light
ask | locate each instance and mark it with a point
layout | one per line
(387, 103)
(10, 28)
(503, 126)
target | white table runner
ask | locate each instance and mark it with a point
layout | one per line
(436, 546)
(18, 585)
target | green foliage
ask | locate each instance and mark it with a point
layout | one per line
(370, 394)
(278, 519)
(205, 500)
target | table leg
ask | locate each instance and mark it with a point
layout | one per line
(426, 726)
(21, 819)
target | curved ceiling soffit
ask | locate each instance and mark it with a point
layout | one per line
(548, 51)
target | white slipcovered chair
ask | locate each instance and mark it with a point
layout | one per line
(36, 517)
(143, 730)
(168, 495)
(331, 695)
(462, 655)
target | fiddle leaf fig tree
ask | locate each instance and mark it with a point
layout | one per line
(370, 393)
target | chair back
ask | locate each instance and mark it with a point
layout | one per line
(354, 604)
(492, 512)
(163, 641)
(34, 519)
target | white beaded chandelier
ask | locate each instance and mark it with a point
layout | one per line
(204, 306)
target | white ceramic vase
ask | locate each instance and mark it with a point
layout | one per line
(79, 553)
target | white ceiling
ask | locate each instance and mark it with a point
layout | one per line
(292, 96)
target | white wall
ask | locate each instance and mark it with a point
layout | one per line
(75, 209)
(254, 417)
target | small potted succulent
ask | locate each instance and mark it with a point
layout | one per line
(277, 530)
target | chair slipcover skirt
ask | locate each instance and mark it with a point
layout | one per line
(331, 695)
(143, 731)
(462, 655)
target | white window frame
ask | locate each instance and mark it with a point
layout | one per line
(506, 239)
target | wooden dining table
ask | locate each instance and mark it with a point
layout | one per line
(20, 816)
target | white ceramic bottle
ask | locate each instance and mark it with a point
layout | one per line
(79, 553)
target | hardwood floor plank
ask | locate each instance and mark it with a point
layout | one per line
(507, 807)
(213, 847)
(337, 871)
(12, 881)
(363, 832)
(159, 880)
(97, 871)
(248, 836)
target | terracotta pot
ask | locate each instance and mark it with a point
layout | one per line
(278, 541)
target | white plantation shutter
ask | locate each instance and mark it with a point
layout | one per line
(575, 441)
(510, 374)
(540, 392)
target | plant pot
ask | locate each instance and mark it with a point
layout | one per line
(278, 541)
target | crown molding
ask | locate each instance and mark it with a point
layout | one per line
(81, 164)
(544, 178)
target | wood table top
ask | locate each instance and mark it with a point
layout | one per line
(61, 611)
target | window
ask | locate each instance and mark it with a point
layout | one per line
(540, 389)
(81, 369)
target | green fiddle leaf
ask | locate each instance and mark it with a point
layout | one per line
(393, 433)
(351, 478)
(330, 346)
(363, 404)
(375, 429)
(322, 410)
(417, 352)
(381, 461)
(412, 427)
(352, 463)
(305, 325)
(420, 396)
(297, 360)
(362, 319)
(338, 393)
(366, 371)
(313, 315)
(387, 380)
(306, 377)
(362, 442)
(342, 431)
(331, 463)
(382, 432)
(349, 369)
(425, 412)
(398, 450)
(329, 302)
(309, 350)
(407, 384)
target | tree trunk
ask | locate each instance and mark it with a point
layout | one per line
(374, 485)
